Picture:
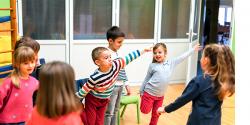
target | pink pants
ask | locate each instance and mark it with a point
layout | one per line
(148, 103)
(94, 110)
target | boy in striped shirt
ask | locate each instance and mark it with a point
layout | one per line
(97, 90)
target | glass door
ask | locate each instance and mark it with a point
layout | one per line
(193, 34)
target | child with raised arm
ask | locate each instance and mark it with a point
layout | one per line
(99, 87)
(56, 101)
(208, 91)
(17, 89)
(115, 39)
(155, 83)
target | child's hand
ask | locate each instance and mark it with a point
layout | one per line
(161, 110)
(197, 47)
(128, 90)
(147, 50)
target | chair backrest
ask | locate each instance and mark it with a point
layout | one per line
(80, 83)
(5, 70)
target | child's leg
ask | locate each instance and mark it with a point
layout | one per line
(155, 116)
(117, 106)
(110, 112)
(90, 109)
(102, 106)
(147, 102)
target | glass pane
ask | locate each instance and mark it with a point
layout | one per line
(137, 18)
(175, 18)
(92, 18)
(44, 19)
(196, 18)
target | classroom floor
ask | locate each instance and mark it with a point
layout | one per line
(179, 117)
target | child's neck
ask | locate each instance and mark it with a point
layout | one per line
(104, 69)
(24, 76)
(111, 48)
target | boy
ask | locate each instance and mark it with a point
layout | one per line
(99, 87)
(115, 39)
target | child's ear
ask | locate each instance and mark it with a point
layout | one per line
(110, 40)
(97, 62)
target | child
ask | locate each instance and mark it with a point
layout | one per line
(100, 84)
(56, 101)
(155, 83)
(115, 39)
(16, 91)
(33, 44)
(207, 91)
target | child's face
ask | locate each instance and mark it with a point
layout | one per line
(104, 62)
(159, 54)
(116, 44)
(26, 68)
(204, 61)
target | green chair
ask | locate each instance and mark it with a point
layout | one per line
(125, 100)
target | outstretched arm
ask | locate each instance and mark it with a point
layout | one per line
(181, 58)
(134, 55)
(190, 92)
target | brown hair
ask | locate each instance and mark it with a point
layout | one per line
(21, 55)
(156, 46)
(29, 42)
(97, 51)
(221, 69)
(56, 93)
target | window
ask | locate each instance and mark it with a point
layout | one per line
(44, 19)
(92, 18)
(175, 18)
(137, 18)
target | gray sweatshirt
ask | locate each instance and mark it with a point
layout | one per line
(158, 75)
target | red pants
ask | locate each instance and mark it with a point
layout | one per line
(94, 110)
(148, 103)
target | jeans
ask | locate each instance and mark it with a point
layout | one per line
(113, 106)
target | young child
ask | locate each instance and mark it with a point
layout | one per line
(56, 101)
(33, 44)
(115, 39)
(100, 84)
(207, 91)
(155, 83)
(16, 91)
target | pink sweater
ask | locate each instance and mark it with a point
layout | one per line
(19, 105)
(68, 119)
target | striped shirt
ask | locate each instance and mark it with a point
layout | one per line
(122, 76)
(101, 84)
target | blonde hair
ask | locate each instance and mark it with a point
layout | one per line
(221, 69)
(56, 93)
(156, 46)
(21, 55)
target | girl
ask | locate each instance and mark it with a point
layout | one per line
(16, 91)
(56, 102)
(155, 83)
(208, 90)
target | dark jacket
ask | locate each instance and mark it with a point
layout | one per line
(206, 107)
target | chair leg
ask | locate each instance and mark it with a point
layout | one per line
(123, 110)
(138, 113)
(118, 117)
